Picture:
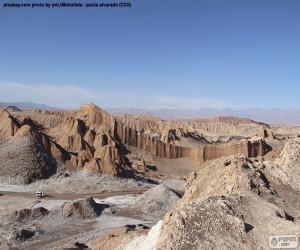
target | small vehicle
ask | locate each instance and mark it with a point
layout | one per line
(40, 194)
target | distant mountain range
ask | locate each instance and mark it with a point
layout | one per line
(25, 105)
(271, 116)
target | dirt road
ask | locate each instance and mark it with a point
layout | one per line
(70, 196)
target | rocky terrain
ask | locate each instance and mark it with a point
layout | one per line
(140, 182)
(152, 205)
(94, 140)
(231, 203)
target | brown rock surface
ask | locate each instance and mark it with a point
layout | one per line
(250, 148)
(83, 139)
(93, 139)
(9, 125)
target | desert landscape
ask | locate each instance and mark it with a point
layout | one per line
(141, 182)
(149, 125)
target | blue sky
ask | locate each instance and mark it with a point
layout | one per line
(170, 54)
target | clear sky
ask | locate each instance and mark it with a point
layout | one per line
(160, 53)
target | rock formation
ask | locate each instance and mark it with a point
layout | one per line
(81, 139)
(156, 201)
(23, 160)
(21, 234)
(233, 174)
(219, 126)
(228, 126)
(93, 139)
(250, 148)
(228, 204)
(83, 208)
(243, 221)
(9, 125)
(28, 214)
(287, 165)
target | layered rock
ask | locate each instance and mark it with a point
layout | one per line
(250, 148)
(219, 126)
(151, 144)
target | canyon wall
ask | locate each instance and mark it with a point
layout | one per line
(249, 148)
(145, 142)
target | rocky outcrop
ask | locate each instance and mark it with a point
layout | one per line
(24, 160)
(224, 176)
(229, 204)
(266, 132)
(156, 201)
(29, 214)
(21, 235)
(9, 125)
(243, 221)
(83, 208)
(286, 167)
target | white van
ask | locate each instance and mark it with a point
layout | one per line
(40, 194)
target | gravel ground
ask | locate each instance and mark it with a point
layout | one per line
(80, 183)
(55, 230)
